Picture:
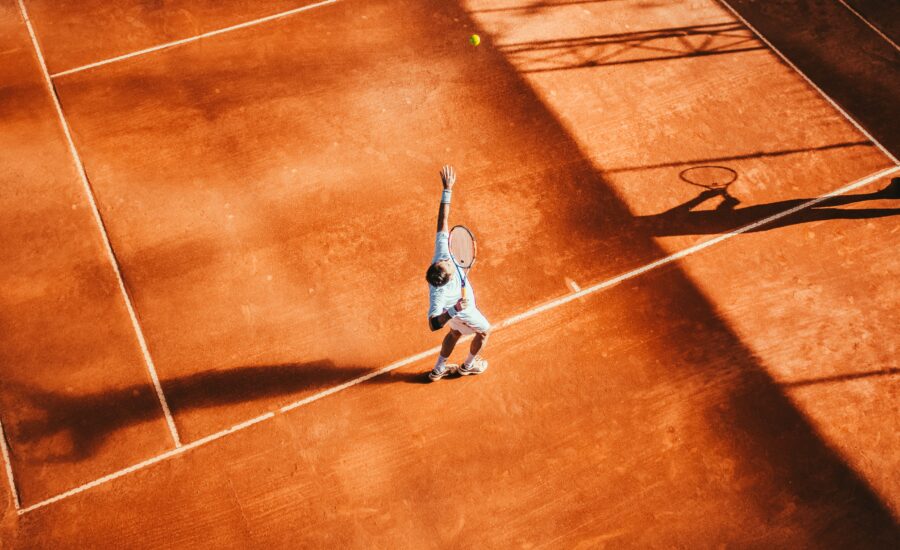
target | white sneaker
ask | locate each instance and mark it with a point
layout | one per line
(478, 366)
(446, 368)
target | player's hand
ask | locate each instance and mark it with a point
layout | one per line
(461, 304)
(448, 176)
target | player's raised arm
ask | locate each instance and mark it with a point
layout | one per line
(448, 178)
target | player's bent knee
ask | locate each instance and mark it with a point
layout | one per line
(455, 333)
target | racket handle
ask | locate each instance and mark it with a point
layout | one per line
(464, 292)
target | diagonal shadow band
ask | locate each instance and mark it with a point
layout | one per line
(779, 450)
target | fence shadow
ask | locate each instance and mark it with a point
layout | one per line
(631, 47)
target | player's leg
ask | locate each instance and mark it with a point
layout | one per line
(475, 364)
(441, 367)
(479, 325)
(478, 343)
(449, 343)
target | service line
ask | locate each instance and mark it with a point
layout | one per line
(503, 324)
(190, 39)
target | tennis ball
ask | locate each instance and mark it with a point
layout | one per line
(474, 40)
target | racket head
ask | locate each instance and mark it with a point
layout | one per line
(709, 177)
(462, 247)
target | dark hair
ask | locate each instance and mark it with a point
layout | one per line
(436, 276)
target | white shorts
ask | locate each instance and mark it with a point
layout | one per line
(469, 321)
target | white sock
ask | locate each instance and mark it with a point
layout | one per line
(469, 360)
(440, 362)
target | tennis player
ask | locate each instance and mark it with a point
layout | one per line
(447, 306)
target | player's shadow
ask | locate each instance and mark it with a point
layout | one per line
(728, 215)
(59, 427)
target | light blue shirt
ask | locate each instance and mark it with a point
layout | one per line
(444, 297)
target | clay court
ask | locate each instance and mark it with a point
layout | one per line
(216, 219)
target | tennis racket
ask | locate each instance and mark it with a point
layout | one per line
(462, 251)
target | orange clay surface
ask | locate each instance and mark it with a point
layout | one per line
(270, 195)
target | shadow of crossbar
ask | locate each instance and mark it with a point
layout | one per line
(631, 47)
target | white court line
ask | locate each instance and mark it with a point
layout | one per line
(809, 81)
(4, 449)
(871, 26)
(395, 365)
(76, 158)
(148, 462)
(192, 38)
(506, 323)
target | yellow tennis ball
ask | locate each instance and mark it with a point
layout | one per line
(474, 40)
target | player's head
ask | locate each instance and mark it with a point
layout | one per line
(439, 273)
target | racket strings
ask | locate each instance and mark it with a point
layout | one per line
(462, 247)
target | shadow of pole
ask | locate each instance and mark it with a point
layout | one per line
(841, 378)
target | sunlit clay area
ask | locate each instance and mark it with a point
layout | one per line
(449, 274)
